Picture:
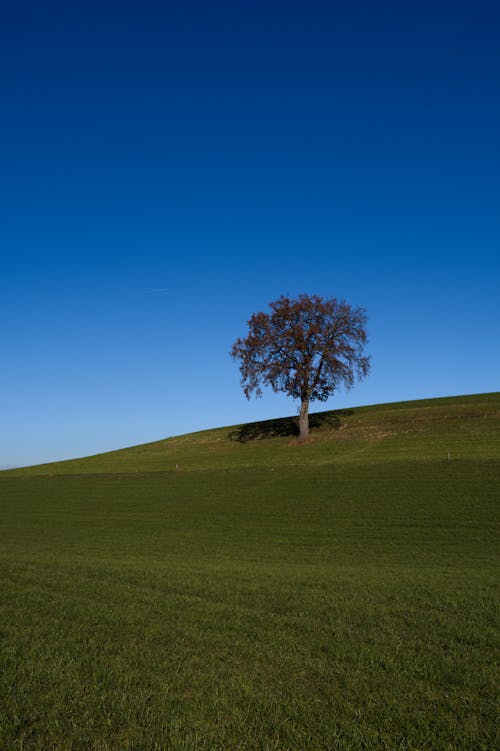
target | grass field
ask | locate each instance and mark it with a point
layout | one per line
(232, 590)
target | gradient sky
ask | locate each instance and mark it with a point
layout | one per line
(168, 168)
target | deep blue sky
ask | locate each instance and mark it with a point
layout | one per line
(169, 168)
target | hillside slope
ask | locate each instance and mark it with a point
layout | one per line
(230, 589)
(465, 427)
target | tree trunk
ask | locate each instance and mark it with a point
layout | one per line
(304, 420)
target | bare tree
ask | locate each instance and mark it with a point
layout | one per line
(306, 348)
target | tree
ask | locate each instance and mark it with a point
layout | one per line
(306, 348)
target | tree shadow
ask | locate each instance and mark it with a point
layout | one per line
(287, 426)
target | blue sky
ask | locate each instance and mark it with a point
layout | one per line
(169, 168)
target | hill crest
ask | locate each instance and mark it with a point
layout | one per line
(428, 429)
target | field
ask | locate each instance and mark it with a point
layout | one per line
(232, 590)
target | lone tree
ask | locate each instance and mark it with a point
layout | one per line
(306, 348)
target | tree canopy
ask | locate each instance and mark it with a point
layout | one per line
(306, 348)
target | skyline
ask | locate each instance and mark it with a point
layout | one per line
(169, 170)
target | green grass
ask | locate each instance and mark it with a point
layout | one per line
(207, 592)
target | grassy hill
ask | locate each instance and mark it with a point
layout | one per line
(464, 426)
(230, 589)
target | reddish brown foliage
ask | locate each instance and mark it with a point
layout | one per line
(306, 348)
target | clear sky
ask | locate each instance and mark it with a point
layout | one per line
(168, 168)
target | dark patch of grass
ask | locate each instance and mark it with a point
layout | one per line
(287, 426)
(322, 603)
